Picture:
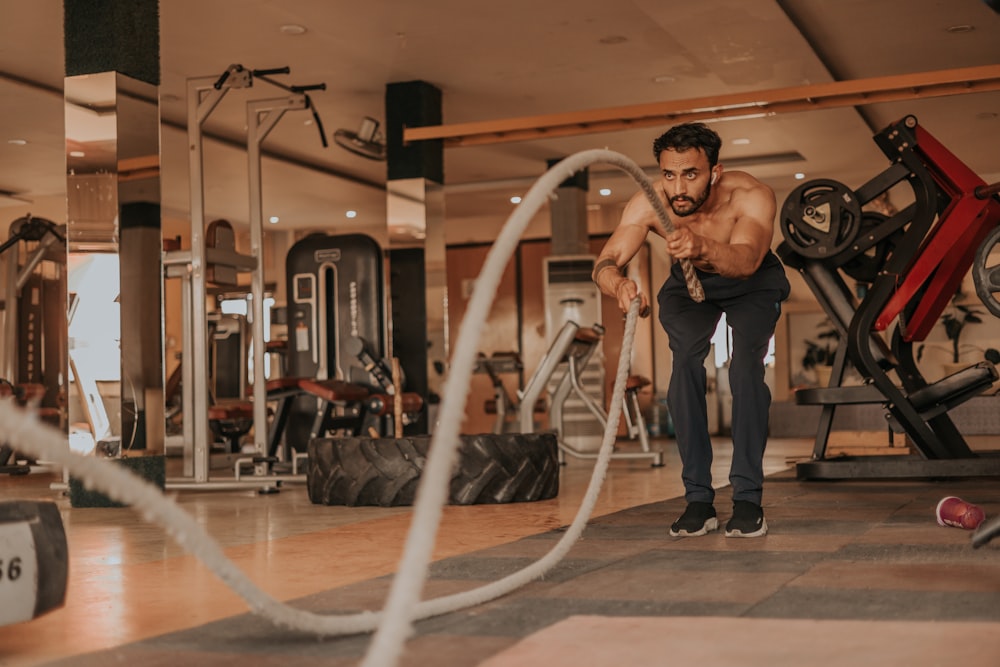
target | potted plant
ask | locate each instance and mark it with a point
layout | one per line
(820, 353)
(954, 321)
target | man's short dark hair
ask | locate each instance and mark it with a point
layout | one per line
(686, 136)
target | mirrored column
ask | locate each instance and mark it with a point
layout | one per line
(114, 244)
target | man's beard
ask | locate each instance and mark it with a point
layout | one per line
(695, 203)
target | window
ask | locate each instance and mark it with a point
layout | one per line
(242, 307)
(95, 316)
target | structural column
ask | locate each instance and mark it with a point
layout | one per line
(568, 211)
(113, 148)
(415, 209)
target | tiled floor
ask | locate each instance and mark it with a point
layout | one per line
(852, 573)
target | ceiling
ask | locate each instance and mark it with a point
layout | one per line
(504, 60)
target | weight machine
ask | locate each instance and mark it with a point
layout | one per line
(337, 378)
(193, 266)
(338, 333)
(911, 262)
(34, 307)
(34, 353)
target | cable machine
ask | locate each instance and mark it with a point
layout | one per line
(33, 356)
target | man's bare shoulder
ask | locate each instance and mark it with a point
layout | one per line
(744, 193)
(741, 180)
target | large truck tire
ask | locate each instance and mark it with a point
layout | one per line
(490, 468)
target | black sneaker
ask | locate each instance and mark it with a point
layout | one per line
(698, 519)
(747, 521)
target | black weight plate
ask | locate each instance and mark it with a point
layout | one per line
(820, 218)
(987, 278)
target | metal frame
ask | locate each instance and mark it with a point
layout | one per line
(204, 95)
(944, 226)
(262, 116)
(560, 349)
(570, 383)
(17, 276)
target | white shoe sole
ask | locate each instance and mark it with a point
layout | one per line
(760, 532)
(710, 525)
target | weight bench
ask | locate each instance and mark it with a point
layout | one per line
(916, 274)
(234, 418)
(231, 420)
(359, 405)
(349, 407)
(342, 405)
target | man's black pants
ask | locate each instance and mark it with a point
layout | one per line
(752, 307)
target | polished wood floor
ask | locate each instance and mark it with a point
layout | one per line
(129, 581)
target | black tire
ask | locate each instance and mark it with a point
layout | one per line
(385, 472)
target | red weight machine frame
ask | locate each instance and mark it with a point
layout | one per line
(935, 240)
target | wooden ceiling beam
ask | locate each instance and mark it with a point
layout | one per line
(858, 92)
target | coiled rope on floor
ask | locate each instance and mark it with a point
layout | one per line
(393, 625)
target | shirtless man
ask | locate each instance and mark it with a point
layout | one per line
(724, 224)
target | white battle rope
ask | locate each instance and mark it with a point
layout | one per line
(24, 433)
(402, 606)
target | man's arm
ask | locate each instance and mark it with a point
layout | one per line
(624, 243)
(748, 243)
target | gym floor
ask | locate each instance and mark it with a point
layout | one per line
(852, 573)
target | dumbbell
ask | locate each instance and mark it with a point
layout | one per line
(34, 560)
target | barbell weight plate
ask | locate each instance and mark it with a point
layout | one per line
(987, 278)
(34, 560)
(820, 218)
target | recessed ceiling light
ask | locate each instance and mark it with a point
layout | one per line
(799, 176)
(515, 200)
(17, 142)
(962, 27)
(77, 154)
(604, 192)
(293, 29)
(742, 141)
(351, 214)
(274, 219)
